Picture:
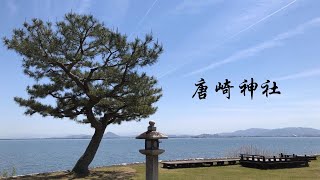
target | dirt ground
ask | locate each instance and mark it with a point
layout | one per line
(116, 173)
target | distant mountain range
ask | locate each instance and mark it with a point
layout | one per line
(252, 132)
(108, 135)
(259, 132)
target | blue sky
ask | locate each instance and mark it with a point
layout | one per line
(277, 40)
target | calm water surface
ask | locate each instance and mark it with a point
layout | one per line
(33, 156)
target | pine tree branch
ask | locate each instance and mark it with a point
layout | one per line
(91, 118)
(80, 48)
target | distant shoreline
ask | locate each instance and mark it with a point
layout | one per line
(221, 137)
(252, 132)
(12, 139)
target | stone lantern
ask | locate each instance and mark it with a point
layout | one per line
(151, 150)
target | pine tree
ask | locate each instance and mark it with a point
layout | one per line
(94, 74)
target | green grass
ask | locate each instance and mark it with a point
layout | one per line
(234, 172)
(137, 172)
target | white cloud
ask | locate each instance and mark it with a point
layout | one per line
(288, 106)
(233, 25)
(260, 20)
(276, 41)
(142, 19)
(84, 6)
(12, 6)
(113, 12)
(238, 56)
(193, 7)
(304, 74)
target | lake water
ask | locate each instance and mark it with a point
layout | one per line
(34, 156)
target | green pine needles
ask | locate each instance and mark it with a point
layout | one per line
(94, 74)
(89, 70)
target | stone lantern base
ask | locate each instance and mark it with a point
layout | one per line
(152, 162)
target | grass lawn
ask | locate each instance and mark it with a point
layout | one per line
(137, 172)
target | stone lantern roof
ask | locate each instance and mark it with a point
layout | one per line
(152, 133)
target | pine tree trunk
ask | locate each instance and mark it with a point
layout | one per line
(82, 165)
